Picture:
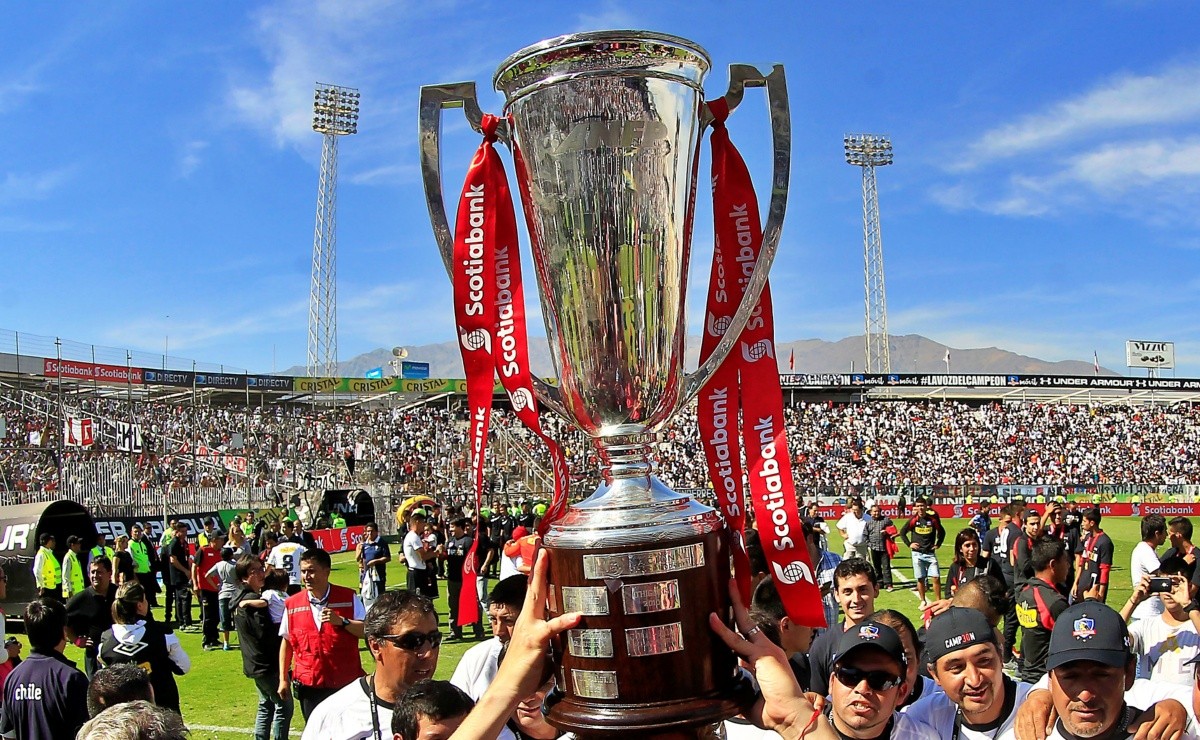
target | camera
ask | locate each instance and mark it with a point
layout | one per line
(1160, 585)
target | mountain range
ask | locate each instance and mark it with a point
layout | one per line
(911, 353)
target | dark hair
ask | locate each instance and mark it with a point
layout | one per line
(921, 500)
(1046, 550)
(986, 594)
(45, 622)
(392, 605)
(45, 538)
(766, 600)
(510, 592)
(853, 567)
(767, 623)
(1031, 513)
(462, 521)
(117, 684)
(754, 551)
(242, 568)
(102, 560)
(1172, 566)
(901, 624)
(372, 525)
(1093, 515)
(125, 607)
(967, 534)
(436, 700)
(1184, 525)
(317, 555)
(1153, 524)
(276, 580)
(74, 539)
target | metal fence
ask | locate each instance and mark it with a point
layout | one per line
(23, 352)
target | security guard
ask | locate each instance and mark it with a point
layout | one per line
(47, 571)
(72, 570)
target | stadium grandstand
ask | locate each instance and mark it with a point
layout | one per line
(153, 438)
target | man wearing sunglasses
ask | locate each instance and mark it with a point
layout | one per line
(867, 685)
(979, 702)
(402, 634)
(321, 628)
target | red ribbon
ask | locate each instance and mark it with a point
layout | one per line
(489, 310)
(748, 381)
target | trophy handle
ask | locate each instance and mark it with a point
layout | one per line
(742, 76)
(433, 99)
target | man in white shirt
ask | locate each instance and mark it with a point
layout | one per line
(478, 666)
(1164, 644)
(402, 634)
(1144, 561)
(416, 553)
(853, 530)
(979, 702)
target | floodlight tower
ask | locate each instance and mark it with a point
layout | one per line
(870, 151)
(335, 113)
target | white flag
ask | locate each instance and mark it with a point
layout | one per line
(129, 437)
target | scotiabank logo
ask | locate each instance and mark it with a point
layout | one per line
(477, 339)
(716, 326)
(760, 349)
(793, 572)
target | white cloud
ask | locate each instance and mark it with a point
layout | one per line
(33, 185)
(1120, 167)
(1123, 102)
(190, 160)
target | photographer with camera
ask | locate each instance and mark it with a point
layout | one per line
(1166, 643)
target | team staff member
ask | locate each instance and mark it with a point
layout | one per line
(47, 571)
(89, 612)
(977, 701)
(210, 606)
(1039, 605)
(72, 569)
(927, 536)
(1022, 550)
(457, 549)
(855, 588)
(373, 555)
(143, 554)
(996, 546)
(1095, 559)
(478, 665)
(321, 628)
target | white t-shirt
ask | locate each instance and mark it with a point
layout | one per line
(1163, 649)
(286, 557)
(1143, 562)
(853, 526)
(937, 713)
(509, 566)
(347, 716)
(412, 546)
(477, 667)
(275, 606)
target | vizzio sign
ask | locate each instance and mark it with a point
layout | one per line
(1150, 354)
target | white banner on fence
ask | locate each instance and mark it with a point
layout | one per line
(78, 433)
(129, 437)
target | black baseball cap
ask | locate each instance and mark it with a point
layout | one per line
(954, 629)
(1089, 630)
(871, 635)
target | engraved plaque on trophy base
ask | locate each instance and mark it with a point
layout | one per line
(648, 663)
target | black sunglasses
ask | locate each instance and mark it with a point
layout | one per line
(414, 641)
(877, 680)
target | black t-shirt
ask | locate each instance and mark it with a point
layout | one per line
(258, 636)
(123, 563)
(1189, 569)
(1038, 606)
(89, 614)
(960, 574)
(1023, 547)
(149, 653)
(456, 554)
(179, 551)
(927, 532)
(820, 659)
(1096, 551)
(997, 543)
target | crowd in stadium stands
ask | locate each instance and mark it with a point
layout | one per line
(880, 443)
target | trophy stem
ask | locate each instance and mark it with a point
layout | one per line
(627, 468)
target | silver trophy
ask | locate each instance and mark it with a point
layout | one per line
(606, 131)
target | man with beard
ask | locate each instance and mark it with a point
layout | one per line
(402, 633)
(478, 666)
(866, 685)
(977, 701)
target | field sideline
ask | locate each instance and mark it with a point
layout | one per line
(216, 694)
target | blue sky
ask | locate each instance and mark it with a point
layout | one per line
(159, 172)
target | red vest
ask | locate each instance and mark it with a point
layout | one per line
(326, 656)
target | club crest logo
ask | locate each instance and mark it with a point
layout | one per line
(760, 349)
(868, 632)
(476, 340)
(1084, 628)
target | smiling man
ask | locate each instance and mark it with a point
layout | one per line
(855, 588)
(402, 633)
(979, 702)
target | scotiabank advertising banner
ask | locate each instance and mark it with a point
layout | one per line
(965, 511)
(342, 539)
(91, 371)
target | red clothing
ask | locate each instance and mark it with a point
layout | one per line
(323, 656)
(206, 558)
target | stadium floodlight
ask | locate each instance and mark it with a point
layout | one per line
(869, 151)
(335, 113)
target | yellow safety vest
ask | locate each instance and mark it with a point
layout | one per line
(73, 573)
(98, 551)
(51, 568)
(141, 556)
